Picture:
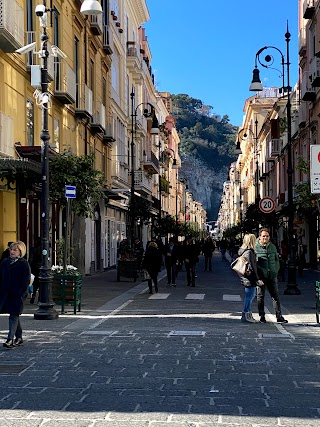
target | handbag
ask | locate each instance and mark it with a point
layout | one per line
(145, 275)
(241, 266)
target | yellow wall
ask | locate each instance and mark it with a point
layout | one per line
(8, 218)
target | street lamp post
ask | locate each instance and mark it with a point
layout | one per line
(46, 309)
(292, 288)
(148, 112)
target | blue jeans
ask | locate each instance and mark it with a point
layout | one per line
(14, 327)
(249, 294)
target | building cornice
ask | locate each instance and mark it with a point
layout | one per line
(141, 11)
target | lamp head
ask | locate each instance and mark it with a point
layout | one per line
(256, 85)
(91, 7)
(238, 149)
(174, 164)
(155, 126)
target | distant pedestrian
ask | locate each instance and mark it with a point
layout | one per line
(171, 254)
(268, 267)
(223, 249)
(250, 282)
(152, 262)
(191, 257)
(6, 252)
(15, 277)
(208, 248)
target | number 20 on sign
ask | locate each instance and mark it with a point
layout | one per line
(266, 205)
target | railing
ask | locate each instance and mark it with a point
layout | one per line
(85, 98)
(119, 171)
(12, 23)
(140, 180)
(65, 79)
(164, 185)
(99, 115)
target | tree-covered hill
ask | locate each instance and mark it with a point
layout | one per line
(208, 139)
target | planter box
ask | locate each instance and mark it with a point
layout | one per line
(127, 268)
(66, 290)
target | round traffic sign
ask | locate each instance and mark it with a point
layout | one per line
(266, 205)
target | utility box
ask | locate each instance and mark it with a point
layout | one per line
(36, 76)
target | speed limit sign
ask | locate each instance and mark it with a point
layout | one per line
(266, 205)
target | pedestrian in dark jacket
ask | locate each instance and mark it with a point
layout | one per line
(191, 257)
(15, 277)
(152, 262)
(251, 281)
(268, 267)
(171, 259)
(208, 248)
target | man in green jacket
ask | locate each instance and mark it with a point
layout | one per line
(268, 266)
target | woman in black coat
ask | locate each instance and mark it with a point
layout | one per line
(152, 262)
(15, 277)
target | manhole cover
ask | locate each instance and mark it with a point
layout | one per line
(12, 369)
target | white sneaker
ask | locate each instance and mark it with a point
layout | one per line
(249, 317)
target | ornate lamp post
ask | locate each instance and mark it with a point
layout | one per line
(45, 309)
(148, 112)
(256, 85)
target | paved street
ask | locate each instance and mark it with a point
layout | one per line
(177, 358)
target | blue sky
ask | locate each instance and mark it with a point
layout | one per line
(207, 48)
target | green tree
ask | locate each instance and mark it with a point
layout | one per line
(68, 169)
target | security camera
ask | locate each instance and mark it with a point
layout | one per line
(56, 52)
(27, 48)
(40, 9)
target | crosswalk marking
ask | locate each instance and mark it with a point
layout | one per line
(195, 296)
(231, 298)
(159, 296)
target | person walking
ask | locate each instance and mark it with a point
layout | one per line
(15, 275)
(251, 281)
(152, 262)
(191, 257)
(171, 254)
(268, 265)
(208, 248)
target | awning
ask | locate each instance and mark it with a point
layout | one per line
(111, 195)
(19, 165)
(33, 152)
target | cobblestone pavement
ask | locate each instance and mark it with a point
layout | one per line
(177, 358)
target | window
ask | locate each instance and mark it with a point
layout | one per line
(104, 91)
(76, 70)
(56, 43)
(56, 134)
(91, 76)
(30, 122)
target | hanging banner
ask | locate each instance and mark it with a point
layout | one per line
(315, 168)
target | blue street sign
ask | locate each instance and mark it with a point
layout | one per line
(70, 192)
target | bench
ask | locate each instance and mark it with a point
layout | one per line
(317, 301)
(66, 290)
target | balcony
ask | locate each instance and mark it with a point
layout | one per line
(65, 83)
(308, 93)
(308, 9)
(302, 117)
(109, 135)
(273, 149)
(98, 123)
(315, 72)
(164, 185)
(11, 26)
(134, 63)
(142, 184)
(96, 24)
(302, 42)
(120, 171)
(84, 105)
(150, 162)
(107, 40)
